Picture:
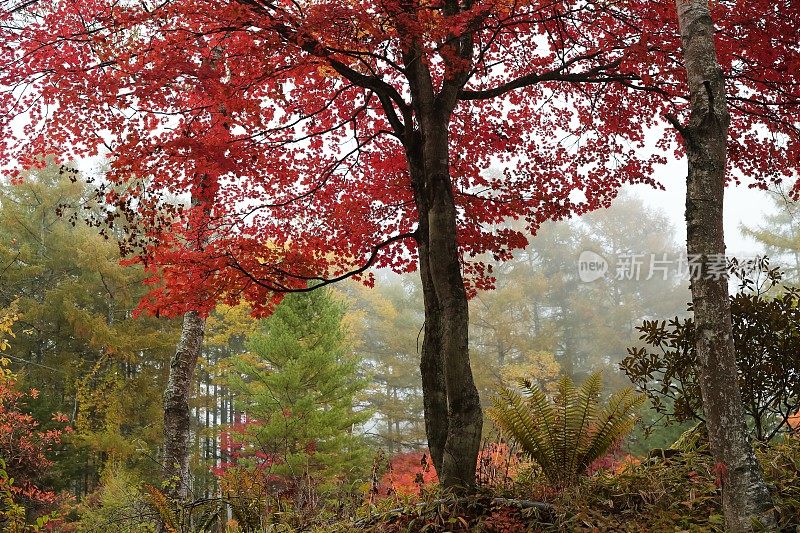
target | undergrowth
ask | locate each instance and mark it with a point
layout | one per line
(674, 491)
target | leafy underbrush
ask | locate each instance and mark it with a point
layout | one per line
(674, 490)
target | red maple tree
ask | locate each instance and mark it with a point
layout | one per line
(333, 137)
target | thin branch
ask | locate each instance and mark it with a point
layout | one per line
(321, 281)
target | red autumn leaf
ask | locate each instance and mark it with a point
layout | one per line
(292, 124)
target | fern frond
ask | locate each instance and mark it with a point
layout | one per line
(613, 423)
(564, 395)
(164, 507)
(545, 417)
(513, 416)
(583, 415)
(566, 434)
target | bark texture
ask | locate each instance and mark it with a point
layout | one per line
(434, 392)
(176, 405)
(453, 415)
(464, 416)
(744, 493)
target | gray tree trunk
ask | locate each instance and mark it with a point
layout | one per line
(453, 415)
(176, 405)
(744, 493)
(464, 415)
(434, 392)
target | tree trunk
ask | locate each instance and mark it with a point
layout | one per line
(176, 405)
(464, 415)
(434, 392)
(453, 416)
(744, 494)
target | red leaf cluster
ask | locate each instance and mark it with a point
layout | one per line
(25, 446)
(285, 122)
(407, 474)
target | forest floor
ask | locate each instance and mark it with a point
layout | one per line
(673, 490)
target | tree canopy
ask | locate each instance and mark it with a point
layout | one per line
(300, 116)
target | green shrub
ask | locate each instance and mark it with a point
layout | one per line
(766, 334)
(119, 505)
(566, 434)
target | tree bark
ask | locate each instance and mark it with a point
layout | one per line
(744, 493)
(453, 416)
(464, 415)
(176, 405)
(434, 391)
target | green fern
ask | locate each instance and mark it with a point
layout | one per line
(565, 435)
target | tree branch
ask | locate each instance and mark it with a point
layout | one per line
(594, 75)
(275, 286)
(387, 94)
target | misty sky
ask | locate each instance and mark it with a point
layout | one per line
(742, 205)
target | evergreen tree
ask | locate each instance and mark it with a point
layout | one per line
(296, 390)
(77, 341)
(780, 234)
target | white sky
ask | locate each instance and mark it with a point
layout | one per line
(742, 205)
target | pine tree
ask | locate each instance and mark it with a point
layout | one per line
(780, 234)
(297, 390)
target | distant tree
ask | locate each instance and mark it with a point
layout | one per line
(780, 233)
(77, 341)
(541, 305)
(213, 406)
(295, 390)
(387, 322)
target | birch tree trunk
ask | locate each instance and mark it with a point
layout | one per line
(176, 405)
(745, 497)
